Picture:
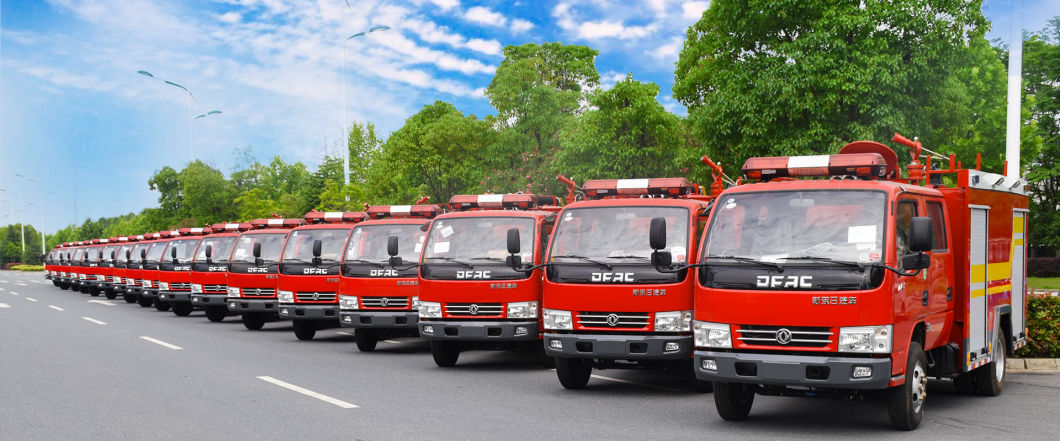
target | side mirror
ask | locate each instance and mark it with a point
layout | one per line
(916, 261)
(209, 250)
(513, 261)
(257, 250)
(921, 234)
(392, 246)
(513, 241)
(143, 254)
(113, 254)
(317, 245)
(173, 254)
(426, 226)
(661, 259)
(657, 233)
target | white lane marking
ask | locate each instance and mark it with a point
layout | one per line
(94, 320)
(21, 284)
(4, 305)
(343, 333)
(13, 293)
(391, 341)
(56, 308)
(2, 289)
(635, 383)
(31, 299)
(101, 302)
(308, 392)
(160, 342)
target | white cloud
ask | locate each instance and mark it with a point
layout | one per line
(693, 10)
(670, 49)
(230, 17)
(519, 25)
(492, 47)
(485, 16)
(591, 30)
(610, 78)
(446, 5)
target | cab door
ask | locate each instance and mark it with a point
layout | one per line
(914, 291)
(940, 276)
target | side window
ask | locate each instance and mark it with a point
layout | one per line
(938, 221)
(904, 218)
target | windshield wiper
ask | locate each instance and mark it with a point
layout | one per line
(369, 262)
(848, 263)
(585, 259)
(629, 257)
(747, 260)
(450, 259)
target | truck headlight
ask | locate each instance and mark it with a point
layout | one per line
(348, 302)
(233, 292)
(164, 286)
(673, 321)
(870, 339)
(196, 288)
(522, 310)
(101, 278)
(285, 296)
(430, 309)
(415, 303)
(557, 319)
(711, 335)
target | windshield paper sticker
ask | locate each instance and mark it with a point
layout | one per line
(446, 232)
(441, 247)
(861, 233)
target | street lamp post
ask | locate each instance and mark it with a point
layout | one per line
(191, 97)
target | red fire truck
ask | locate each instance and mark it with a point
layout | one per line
(134, 271)
(174, 270)
(253, 271)
(90, 280)
(121, 263)
(51, 264)
(377, 300)
(860, 280)
(605, 304)
(105, 272)
(470, 295)
(73, 266)
(308, 290)
(152, 258)
(209, 269)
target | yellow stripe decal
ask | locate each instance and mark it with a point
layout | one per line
(1017, 227)
(999, 288)
(978, 293)
(978, 273)
(999, 270)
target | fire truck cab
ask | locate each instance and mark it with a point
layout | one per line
(105, 273)
(253, 271)
(121, 264)
(308, 290)
(209, 269)
(470, 295)
(860, 279)
(174, 270)
(134, 271)
(88, 276)
(377, 300)
(151, 259)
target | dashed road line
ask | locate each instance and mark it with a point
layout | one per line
(56, 308)
(101, 302)
(635, 383)
(94, 320)
(13, 293)
(308, 392)
(31, 299)
(160, 342)
(4, 305)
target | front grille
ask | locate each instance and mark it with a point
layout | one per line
(385, 302)
(474, 309)
(315, 296)
(616, 320)
(258, 292)
(803, 336)
(215, 288)
(180, 286)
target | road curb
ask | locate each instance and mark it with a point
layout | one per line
(1032, 364)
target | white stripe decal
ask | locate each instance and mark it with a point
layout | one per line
(808, 161)
(632, 183)
(490, 198)
(400, 209)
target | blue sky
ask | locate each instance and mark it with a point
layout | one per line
(77, 118)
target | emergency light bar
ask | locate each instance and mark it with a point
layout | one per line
(598, 188)
(230, 226)
(335, 217)
(867, 165)
(522, 201)
(197, 231)
(277, 223)
(402, 211)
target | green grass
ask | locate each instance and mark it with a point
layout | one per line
(1044, 282)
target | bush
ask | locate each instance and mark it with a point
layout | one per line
(11, 265)
(1043, 319)
(28, 267)
(1043, 267)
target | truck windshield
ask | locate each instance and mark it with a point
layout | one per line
(120, 255)
(222, 248)
(92, 254)
(137, 249)
(185, 248)
(369, 242)
(783, 226)
(477, 239)
(78, 253)
(299, 247)
(271, 245)
(107, 250)
(155, 252)
(617, 234)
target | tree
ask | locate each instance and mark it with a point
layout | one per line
(536, 90)
(167, 183)
(627, 134)
(207, 195)
(789, 77)
(1041, 81)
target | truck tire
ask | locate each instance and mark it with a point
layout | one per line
(573, 373)
(162, 306)
(182, 309)
(144, 301)
(445, 353)
(94, 292)
(905, 403)
(253, 320)
(64, 286)
(216, 313)
(733, 400)
(304, 329)
(366, 339)
(990, 378)
(129, 298)
(111, 294)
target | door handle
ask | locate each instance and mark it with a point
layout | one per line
(924, 298)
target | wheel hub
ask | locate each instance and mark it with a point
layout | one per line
(919, 387)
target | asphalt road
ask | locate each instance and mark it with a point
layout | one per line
(79, 367)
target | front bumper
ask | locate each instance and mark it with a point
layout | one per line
(379, 319)
(793, 370)
(252, 305)
(209, 299)
(479, 330)
(619, 347)
(175, 296)
(134, 289)
(149, 293)
(311, 312)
